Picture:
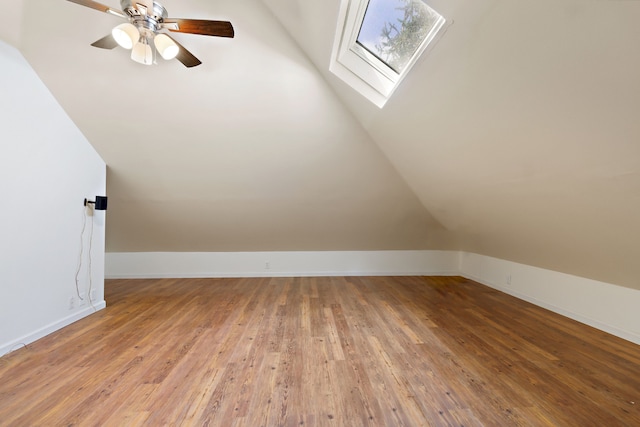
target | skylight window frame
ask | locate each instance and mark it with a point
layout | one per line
(359, 68)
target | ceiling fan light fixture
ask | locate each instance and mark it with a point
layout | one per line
(126, 35)
(142, 52)
(166, 47)
(148, 20)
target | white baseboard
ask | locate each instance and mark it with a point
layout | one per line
(279, 264)
(50, 328)
(610, 308)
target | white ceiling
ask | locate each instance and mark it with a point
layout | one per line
(517, 137)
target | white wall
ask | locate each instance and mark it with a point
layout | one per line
(47, 168)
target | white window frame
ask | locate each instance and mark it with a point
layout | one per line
(357, 67)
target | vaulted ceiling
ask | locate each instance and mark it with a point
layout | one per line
(516, 137)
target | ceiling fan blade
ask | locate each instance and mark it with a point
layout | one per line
(99, 6)
(199, 26)
(107, 42)
(184, 56)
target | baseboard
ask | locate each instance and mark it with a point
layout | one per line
(50, 328)
(607, 307)
(279, 264)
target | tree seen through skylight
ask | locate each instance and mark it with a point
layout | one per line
(393, 30)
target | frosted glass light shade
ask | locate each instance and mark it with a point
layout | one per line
(126, 35)
(165, 46)
(142, 53)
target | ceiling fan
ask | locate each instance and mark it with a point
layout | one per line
(147, 21)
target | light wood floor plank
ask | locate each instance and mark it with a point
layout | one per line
(321, 351)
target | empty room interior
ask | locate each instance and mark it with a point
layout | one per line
(320, 213)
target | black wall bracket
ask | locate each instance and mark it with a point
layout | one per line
(100, 204)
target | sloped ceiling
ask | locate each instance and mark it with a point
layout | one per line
(517, 137)
(520, 132)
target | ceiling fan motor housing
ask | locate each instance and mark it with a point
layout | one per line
(144, 13)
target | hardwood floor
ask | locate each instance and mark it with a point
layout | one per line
(338, 351)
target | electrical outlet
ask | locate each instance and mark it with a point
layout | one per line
(508, 279)
(267, 265)
(72, 303)
(92, 295)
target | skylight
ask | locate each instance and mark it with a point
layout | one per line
(378, 41)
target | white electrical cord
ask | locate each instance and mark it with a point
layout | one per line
(84, 225)
(80, 257)
(90, 256)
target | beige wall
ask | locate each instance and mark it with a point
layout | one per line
(250, 151)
